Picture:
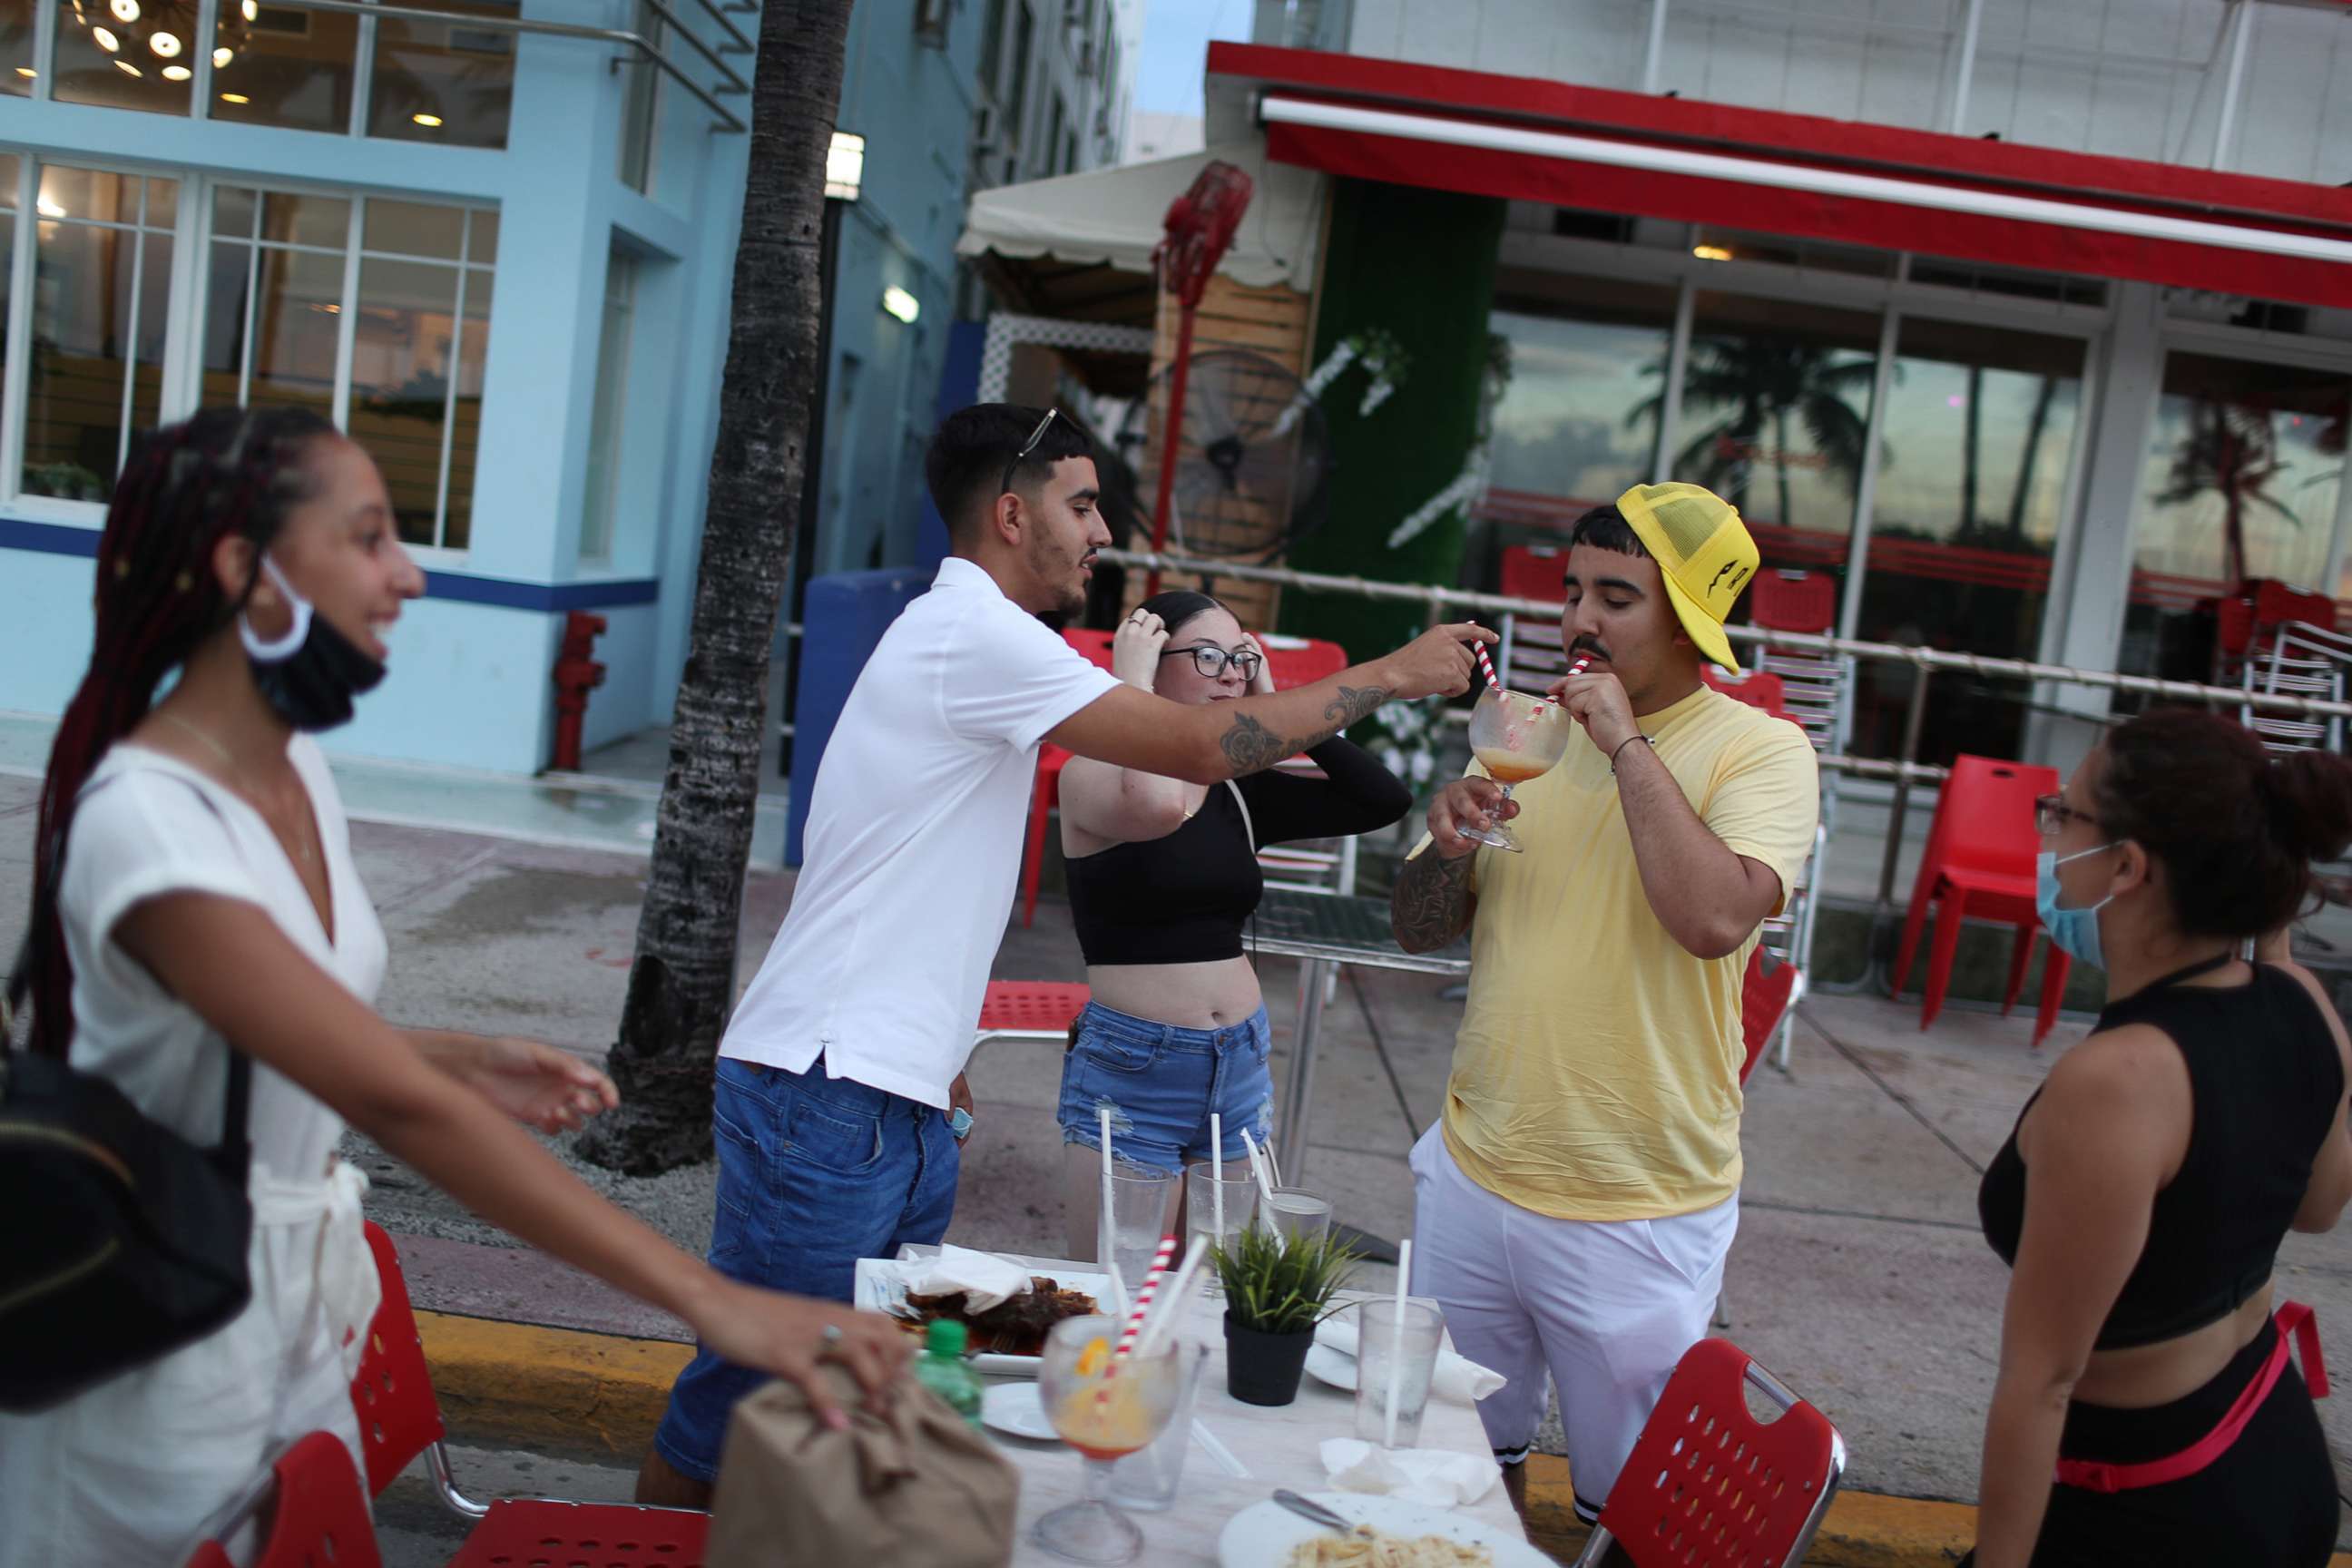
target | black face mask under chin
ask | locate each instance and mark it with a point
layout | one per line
(308, 676)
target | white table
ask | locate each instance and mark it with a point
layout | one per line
(1280, 1446)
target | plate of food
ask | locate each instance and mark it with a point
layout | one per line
(1390, 1532)
(1006, 1338)
(1015, 1407)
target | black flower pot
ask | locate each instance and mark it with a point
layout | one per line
(1263, 1368)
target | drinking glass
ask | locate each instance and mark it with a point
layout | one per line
(1515, 738)
(1297, 1215)
(1147, 1478)
(1142, 1202)
(1378, 1359)
(1201, 1209)
(1106, 1409)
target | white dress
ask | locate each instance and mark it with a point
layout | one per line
(136, 1470)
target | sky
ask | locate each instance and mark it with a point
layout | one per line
(1176, 35)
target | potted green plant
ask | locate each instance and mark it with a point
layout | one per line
(1275, 1295)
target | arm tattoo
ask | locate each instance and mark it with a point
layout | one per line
(1250, 747)
(1431, 903)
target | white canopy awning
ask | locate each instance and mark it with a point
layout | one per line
(1111, 217)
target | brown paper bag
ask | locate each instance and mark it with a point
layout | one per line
(914, 1487)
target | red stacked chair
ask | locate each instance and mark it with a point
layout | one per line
(1030, 1009)
(1047, 793)
(319, 1519)
(1765, 998)
(1302, 661)
(1979, 862)
(1761, 689)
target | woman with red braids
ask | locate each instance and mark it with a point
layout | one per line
(195, 902)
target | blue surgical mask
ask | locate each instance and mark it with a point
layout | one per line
(2074, 932)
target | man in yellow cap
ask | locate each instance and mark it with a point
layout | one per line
(1574, 1203)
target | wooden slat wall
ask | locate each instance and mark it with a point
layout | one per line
(1272, 323)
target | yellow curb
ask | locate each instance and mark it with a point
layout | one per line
(517, 1385)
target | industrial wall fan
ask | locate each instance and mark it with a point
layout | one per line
(1252, 460)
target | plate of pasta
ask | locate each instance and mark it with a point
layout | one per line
(1389, 1534)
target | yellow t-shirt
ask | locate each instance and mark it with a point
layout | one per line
(1596, 1076)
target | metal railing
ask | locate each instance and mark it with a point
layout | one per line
(1905, 769)
(731, 84)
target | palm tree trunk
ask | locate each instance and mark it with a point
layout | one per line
(2034, 428)
(682, 984)
(1971, 451)
(1781, 461)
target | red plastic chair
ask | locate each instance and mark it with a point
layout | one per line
(400, 1418)
(321, 1517)
(1302, 661)
(1030, 1009)
(1786, 601)
(1047, 794)
(1765, 997)
(1535, 572)
(1760, 688)
(1979, 862)
(1708, 1486)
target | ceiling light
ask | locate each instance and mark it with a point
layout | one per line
(235, 97)
(125, 11)
(221, 57)
(50, 208)
(106, 40)
(1711, 253)
(844, 166)
(128, 68)
(252, 11)
(901, 304)
(177, 73)
(165, 45)
(27, 72)
(430, 121)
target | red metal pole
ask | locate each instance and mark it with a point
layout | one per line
(1175, 439)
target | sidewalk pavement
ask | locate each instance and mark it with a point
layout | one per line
(1858, 1275)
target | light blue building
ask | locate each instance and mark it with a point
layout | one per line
(496, 244)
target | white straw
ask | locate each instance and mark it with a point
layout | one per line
(1107, 1231)
(1217, 1171)
(1170, 1304)
(1258, 1168)
(1215, 1446)
(1396, 1340)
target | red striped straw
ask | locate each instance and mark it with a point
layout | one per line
(1485, 666)
(1575, 669)
(1135, 1318)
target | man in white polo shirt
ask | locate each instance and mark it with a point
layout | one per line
(839, 1101)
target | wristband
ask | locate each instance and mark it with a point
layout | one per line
(1625, 742)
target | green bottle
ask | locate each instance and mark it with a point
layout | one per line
(942, 1370)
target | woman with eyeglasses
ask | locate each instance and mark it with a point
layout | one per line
(2143, 1197)
(1163, 875)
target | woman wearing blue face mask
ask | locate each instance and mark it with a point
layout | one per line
(200, 939)
(2143, 1197)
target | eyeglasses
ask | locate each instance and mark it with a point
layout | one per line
(1027, 448)
(1211, 660)
(2052, 813)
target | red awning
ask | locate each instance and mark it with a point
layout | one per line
(1795, 174)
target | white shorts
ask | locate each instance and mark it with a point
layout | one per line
(1607, 1307)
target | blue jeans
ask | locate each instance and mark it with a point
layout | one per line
(814, 1173)
(1161, 1082)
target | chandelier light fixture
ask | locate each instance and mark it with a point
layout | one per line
(140, 35)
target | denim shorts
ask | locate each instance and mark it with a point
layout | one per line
(1161, 1082)
(814, 1173)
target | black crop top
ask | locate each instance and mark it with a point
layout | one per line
(1182, 899)
(2264, 1081)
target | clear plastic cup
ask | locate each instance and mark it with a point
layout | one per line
(1147, 1478)
(1383, 1361)
(1296, 1215)
(1142, 1205)
(1202, 1210)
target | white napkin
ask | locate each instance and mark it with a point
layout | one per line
(1428, 1476)
(1457, 1378)
(985, 1279)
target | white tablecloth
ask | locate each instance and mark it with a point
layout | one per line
(1279, 1445)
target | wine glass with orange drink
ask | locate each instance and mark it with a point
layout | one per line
(1106, 1406)
(1515, 738)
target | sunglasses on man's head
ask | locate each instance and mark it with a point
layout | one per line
(1027, 447)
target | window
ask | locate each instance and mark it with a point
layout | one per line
(444, 81)
(991, 45)
(102, 257)
(1017, 102)
(641, 110)
(139, 64)
(1055, 120)
(1577, 421)
(375, 309)
(280, 66)
(606, 432)
(17, 65)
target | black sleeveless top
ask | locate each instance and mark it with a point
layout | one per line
(2264, 1081)
(1183, 898)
